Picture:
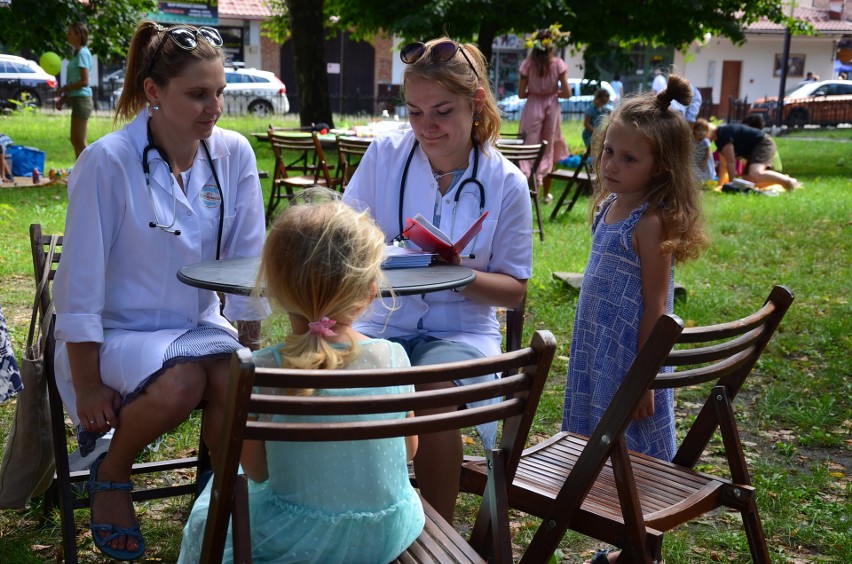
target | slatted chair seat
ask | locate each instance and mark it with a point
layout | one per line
(667, 493)
(633, 499)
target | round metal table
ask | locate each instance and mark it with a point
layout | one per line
(237, 276)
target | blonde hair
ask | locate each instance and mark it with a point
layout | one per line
(674, 191)
(321, 259)
(457, 76)
(171, 62)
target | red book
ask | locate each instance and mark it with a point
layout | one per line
(432, 240)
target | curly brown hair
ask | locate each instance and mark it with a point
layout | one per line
(674, 192)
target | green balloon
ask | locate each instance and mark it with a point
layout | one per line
(51, 63)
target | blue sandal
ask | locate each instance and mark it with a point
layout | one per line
(112, 532)
(602, 556)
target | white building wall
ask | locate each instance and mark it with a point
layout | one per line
(702, 65)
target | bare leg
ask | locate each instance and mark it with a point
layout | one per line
(437, 467)
(163, 405)
(79, 130)
(214, 394)
(762, 177)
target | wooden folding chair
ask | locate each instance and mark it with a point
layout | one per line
(350, 150)
(633, 499)
(515, 325)
(534, 152)
(518, 395)
(581, 179)
(68, 488)
(308, 167)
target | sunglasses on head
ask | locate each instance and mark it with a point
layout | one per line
(438, 53)
(186, 38)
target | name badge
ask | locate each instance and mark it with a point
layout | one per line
(209, 196)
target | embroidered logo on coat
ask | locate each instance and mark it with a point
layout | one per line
(209, 196)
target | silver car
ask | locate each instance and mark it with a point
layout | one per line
(254, 91)
(247, 91)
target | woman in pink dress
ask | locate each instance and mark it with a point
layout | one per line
(544, 79)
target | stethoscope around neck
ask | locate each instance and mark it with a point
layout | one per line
(146, 168)
(472, 180)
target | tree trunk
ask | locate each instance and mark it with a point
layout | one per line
(306, 27)
(485, 39)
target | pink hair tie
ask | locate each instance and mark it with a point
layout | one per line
(322, 327)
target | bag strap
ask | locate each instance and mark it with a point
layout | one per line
(42, 284)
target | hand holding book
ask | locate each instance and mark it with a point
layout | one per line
(431, 239)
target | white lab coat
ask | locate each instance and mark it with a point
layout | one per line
(504, 245)
(116, 283)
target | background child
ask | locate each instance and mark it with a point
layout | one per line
(322, 266)
(705, 164)
(594, 114)
(647, 218)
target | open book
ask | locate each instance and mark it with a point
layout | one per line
(431, 239)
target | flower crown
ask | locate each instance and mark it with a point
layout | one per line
(544, 39)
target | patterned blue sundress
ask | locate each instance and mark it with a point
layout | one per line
(606, 337)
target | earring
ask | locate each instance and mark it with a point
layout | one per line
(155, 107)
(476, 117)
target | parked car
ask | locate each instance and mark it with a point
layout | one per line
(255, 91)
(825, 102)
(582, 94)
(247, 91)
(25, 82)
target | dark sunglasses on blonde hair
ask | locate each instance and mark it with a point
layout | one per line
(440, 52)
(187, 39)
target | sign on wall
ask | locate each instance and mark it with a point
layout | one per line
(196, 12)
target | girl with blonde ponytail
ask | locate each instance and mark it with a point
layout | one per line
(321, 266)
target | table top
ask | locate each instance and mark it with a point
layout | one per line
(237, 276)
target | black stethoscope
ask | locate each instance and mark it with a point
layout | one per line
(472, 180)
(165, 157)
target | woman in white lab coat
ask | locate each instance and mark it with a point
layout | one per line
(137, 350)
(446, 168)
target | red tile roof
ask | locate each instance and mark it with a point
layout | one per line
(819, 19)
(248, 9)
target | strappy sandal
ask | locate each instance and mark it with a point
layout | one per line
(112, 532)
(602, 556)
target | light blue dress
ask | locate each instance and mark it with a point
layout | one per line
(606, 337)
(328, 502)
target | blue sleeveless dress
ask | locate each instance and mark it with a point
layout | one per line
(606, 337)
(348, 501)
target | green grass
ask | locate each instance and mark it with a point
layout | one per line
(794, 414)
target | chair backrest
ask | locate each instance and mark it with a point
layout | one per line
(532, 152)
(515, 325)
(724, 353)
(306, 151)
(349, 153)
(516, 395)
(39, 243)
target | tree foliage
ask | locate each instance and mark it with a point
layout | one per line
(36, 26)
(672, 23)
